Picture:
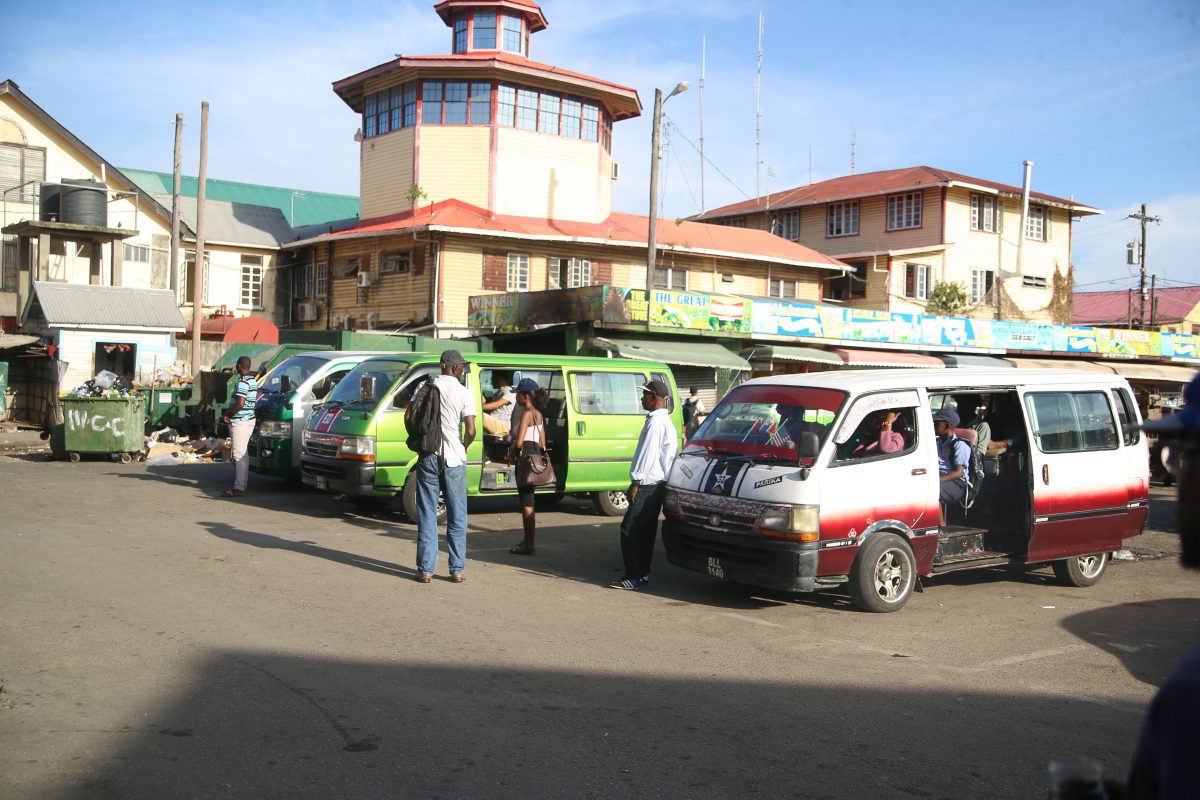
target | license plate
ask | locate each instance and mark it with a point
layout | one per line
(715, 568)
(321, 483)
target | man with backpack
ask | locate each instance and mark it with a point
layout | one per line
(441, 424)
(954, 458)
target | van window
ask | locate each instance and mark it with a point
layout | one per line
(298, 369)
(860, 435)
(549, 381)
(322, 387)
(764, 422)
(608, 392)
(1129, 430)
(1068, 422)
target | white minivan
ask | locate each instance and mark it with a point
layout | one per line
(785, 485)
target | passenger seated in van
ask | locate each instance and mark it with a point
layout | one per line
(954, 457)
(878, 437)
(497, 411)
(792, 424)
(968, 407)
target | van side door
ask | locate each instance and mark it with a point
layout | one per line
(1079, 473)
(604, 419)
(392, 456)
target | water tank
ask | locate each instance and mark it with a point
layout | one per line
(84, 202)
(49, 193)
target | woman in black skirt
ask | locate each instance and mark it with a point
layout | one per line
(528, 439)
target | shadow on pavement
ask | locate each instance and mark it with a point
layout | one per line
(1148, 638)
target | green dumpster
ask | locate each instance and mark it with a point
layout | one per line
(167, 407)
(100, 425)
(3, 389)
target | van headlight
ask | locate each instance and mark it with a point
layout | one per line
(276, 428)
(671, 503)
(797, 523)
(357, 448)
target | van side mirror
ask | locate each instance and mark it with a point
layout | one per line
(808, 446)
(285, 384)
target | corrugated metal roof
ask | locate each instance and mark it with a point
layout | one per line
(110, 306)
(236, 223)
(1175, 304)
(310, 207)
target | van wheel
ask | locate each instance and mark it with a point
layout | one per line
(611, 504)
(1081, 571)
(408, 499)
(884, 574)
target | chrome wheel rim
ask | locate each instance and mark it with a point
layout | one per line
(892, 577)
(1090, 566)
(618, 499)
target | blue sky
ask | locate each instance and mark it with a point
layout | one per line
(1103, 96)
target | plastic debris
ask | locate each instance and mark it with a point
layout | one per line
(1124, 555)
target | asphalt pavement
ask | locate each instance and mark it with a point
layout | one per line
(159, 641)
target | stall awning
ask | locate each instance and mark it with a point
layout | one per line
(967, 360)
(674, 351)
(1160, 373)
(1077, 364)
(8, 340)
(886, 358)
(770, 352)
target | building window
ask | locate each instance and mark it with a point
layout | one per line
(10, 258)
(252, 275)
(671, 278)
(548, 112)
(780, 287)
(484, 31)
(1032, 282)
(390, 110)
(787, 225)
(1036, 223)
(460, 34)
(850, 286)
(984, 213)
(320, 282)
(916, 281)
(139, 253)
(20, 165)
(572, 113)
(731, 222)
(981, 284)
(568, 273)
(514, 36)
(842, 219)
(186, 280)
(518, 273)
(398, 263)
(904, 211)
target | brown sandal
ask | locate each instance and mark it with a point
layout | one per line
(233, 493)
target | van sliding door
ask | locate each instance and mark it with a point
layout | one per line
(605, 418)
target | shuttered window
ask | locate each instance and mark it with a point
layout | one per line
(20, 164)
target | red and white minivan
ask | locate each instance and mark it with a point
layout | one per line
(782, 486)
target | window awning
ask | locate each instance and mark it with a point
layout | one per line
(1143, 371)
(886, 358)
(770, 352)
(966, 360)
(1051, 363)
(675, 351)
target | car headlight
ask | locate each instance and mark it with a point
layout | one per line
(357, 448)
(798, 523)
(278, 428)
(671, 503)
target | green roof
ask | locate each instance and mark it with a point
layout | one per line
(310, 208)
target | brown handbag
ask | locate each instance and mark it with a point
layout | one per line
(535, 469)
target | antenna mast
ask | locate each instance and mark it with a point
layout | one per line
(853, 147)
(703, 51)
(758, 113)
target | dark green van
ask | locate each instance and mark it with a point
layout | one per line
(354, 443)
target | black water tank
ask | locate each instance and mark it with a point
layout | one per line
(49, 204)
(84, 202)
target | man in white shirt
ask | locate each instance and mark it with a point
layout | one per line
(656, 449)
(446, 472)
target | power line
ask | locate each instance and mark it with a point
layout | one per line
(708, 160)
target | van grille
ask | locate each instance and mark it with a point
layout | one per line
(322, 446)
(717, 513)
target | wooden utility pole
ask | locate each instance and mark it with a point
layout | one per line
(197, 285)
(1153, 302)
(1143, 217)
(177, 180)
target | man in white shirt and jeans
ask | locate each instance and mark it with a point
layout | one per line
(656, 449)
(446, 472)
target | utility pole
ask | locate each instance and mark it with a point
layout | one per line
(1143, 217)
(1153, 302)
(197, 286)
(177, 179)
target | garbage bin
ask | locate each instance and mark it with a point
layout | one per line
(167, 408)
(101, 425)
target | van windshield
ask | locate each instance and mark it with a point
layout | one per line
(765, 422)
(348, 392)
(298, 369)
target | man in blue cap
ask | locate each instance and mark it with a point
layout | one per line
(954, 457)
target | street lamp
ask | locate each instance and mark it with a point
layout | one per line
(652, 237)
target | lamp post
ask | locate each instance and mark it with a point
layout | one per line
(652, 236)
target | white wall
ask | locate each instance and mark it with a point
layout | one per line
(78, 348)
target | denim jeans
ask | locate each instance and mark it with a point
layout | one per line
(452, 484)
(239, 435)
(639, 529)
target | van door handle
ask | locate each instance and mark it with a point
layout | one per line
(919, 471)
(581, 427)
(1046, 474)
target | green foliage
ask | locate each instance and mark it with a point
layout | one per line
(948, 299)
(415, 194)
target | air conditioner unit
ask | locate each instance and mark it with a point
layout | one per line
(364, 279)
(616, 171)
(306, 312)
(370, 320)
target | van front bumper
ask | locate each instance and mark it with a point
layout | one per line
(353, 478)
(271, 455)
(743, 558)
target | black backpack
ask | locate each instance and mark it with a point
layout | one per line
(424, 420)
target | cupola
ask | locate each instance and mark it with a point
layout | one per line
(498, 25)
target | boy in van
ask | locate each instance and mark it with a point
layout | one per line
(954, 458)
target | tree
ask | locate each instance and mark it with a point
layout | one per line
(416, 194)
(948, 299)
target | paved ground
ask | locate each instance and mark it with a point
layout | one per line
(157, 641)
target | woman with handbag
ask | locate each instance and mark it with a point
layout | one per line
(528, 452)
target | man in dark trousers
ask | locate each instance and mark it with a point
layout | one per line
(656, 449)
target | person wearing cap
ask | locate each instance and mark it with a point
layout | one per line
(954, 457)
(446, 472)
(652, 459)
(529, 438)
(1164, 763)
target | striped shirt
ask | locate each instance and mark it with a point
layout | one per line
(247, 388)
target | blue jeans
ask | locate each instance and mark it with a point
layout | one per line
(452, 484)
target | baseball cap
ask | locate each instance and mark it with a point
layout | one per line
(527, 385)
(1186, 419)
(947, 415)
(656, 387)
(452, 358)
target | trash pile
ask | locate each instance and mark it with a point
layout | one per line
(105, 384)
(165, 449)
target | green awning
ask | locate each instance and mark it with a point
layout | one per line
(674, 351)
(770, 352)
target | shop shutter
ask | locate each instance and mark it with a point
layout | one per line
(703, 378)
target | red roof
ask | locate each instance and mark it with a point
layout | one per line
(254, 330)
(877, 183)
(531, 10)
(1112, 308)
(620, 230)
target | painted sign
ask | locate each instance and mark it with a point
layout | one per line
(705, 312)
(83, 419)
